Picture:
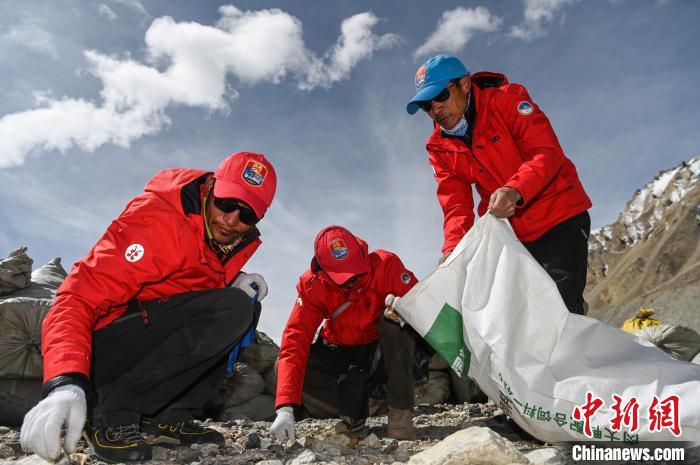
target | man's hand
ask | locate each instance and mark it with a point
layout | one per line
(389, 312)
(43, 425)
(283, 426)
(245, 282)
(503, 201)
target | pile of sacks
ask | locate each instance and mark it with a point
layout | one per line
(25, 298)
(249, 392)
(679, 342)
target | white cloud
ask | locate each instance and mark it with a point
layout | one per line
(34, 37)
(135, 5)
(107, 12)
(188, 65)
(456, 27)
(356, 43)
(536, 12)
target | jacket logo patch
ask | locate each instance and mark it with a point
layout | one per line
(134, 253)
(338, 249)
(420, 77)
(525, 108)
(254, 173)
(299, 302)
(405, 278)
(434, 172)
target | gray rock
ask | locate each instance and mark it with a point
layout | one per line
(389, 445)
(251, 441)
(6, 452)
(475, 445)
(32, 460)
(306, 456)
(271, 462)
(546, 456)
(4, 430)
(160, 453)
(371, 441)
(209, 450)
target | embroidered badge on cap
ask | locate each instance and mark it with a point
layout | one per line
(525, 108)
(420, 77)
(134, 253)
(338, 249)
(405, 278)
(254, 173)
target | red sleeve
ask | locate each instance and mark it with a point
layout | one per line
(294, 350)
(103, 279)
(455, 196)
(537, 143)
(398, 279)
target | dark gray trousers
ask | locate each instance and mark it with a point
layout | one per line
(165, 358)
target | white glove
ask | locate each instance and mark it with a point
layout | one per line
(283, 426)
(43, 425)
(389, 313)
(245, 281)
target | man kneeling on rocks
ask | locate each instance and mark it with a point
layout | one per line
(144, 323)
(346, 289)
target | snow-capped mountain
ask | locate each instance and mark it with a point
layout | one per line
(650, 257)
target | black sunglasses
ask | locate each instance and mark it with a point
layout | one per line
(441, 97)
(246, 214)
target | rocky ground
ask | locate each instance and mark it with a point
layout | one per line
(485, 437)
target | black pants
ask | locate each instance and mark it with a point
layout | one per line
(353, 367)
(563, 253)
(164, 358)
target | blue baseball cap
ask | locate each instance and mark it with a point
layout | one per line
(433, 76)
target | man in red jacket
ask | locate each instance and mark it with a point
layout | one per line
(346, 288)
(144, 323)
(488, 133)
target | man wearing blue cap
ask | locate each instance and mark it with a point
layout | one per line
(489, 133)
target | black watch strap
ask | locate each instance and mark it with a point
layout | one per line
(65, 379)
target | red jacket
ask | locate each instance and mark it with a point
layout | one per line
(318, 298)
(155, 249)
(514, 145)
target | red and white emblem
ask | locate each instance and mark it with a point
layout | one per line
(134, 253)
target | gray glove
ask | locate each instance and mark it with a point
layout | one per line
(389, 313)
(252, 284)
(283, 426)
(42, 426)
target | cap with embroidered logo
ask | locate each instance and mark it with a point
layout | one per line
(433, 76)
(340, 254)
(249, 177)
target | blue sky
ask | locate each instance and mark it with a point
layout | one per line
(98, 96)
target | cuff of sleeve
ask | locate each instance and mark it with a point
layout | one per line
(77, 379)
(521, 201)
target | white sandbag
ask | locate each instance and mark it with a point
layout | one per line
(244, 384)
(434, 391)
(679, 342)
(260, 355)
(259, 408)
(493, 313)
(15, 271)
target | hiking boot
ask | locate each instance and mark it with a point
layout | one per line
(349, 425)
(401, 424)
(122, 443)
(183, 433)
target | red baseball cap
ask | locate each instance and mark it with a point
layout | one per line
(340, 254)
(248, 177)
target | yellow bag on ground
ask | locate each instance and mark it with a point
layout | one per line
(642, 320)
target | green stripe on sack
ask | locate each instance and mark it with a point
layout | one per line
(447, 338)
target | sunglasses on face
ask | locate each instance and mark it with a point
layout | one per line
(441, 97)
(246, 214)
